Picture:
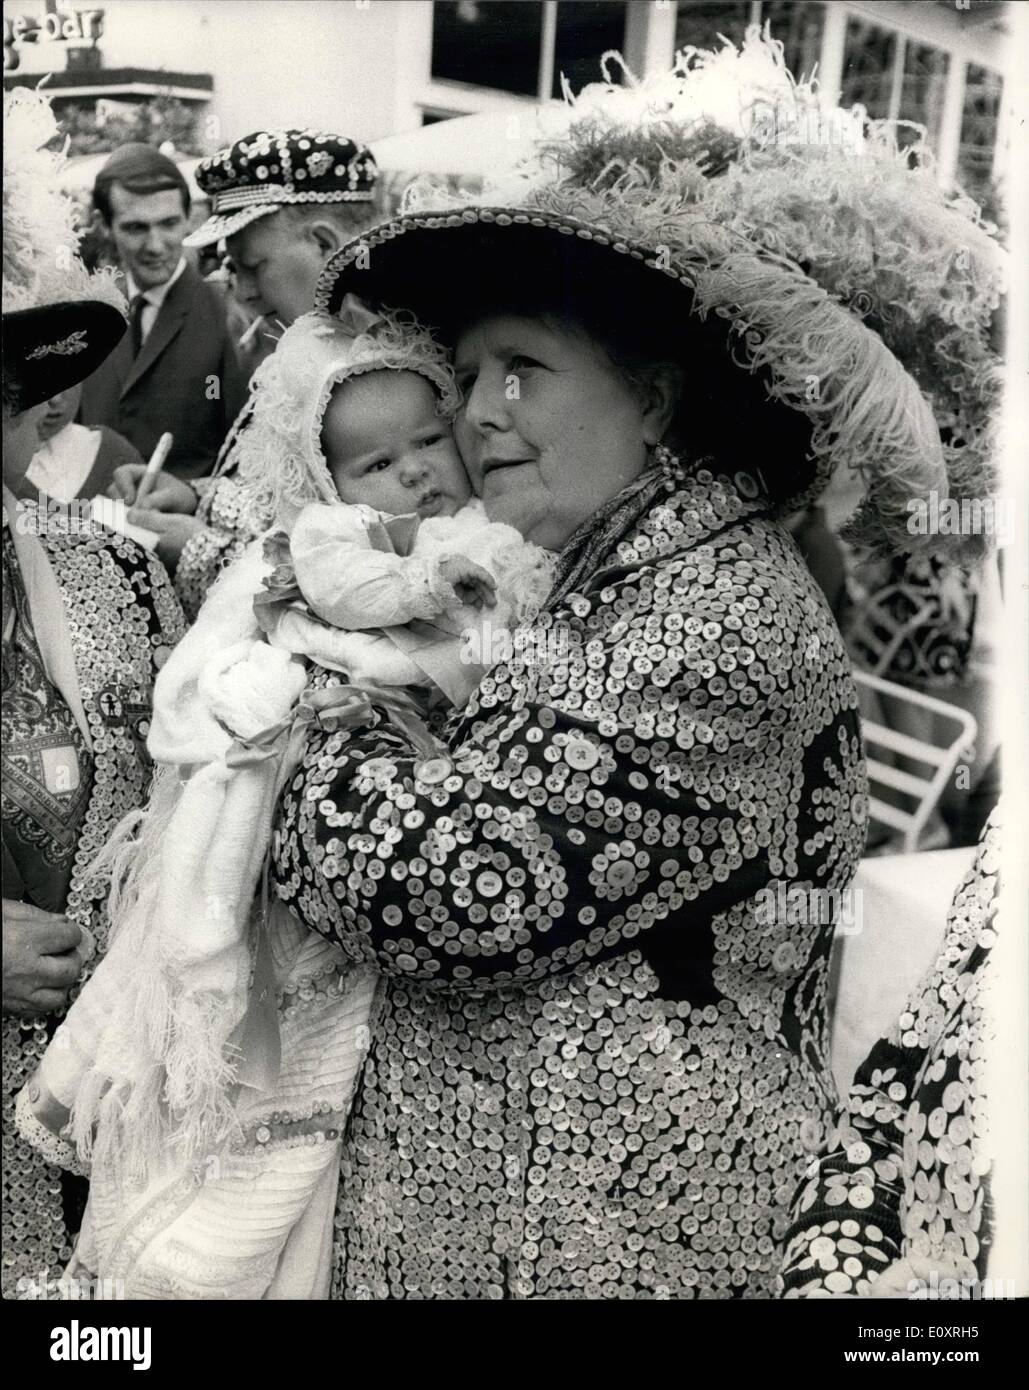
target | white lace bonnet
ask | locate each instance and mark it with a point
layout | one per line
(281, 460)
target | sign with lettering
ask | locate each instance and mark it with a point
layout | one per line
(69, 26)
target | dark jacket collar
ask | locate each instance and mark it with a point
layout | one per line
(170, 317)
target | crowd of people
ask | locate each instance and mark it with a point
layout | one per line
(341, 963)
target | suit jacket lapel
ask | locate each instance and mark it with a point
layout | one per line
(170, 318)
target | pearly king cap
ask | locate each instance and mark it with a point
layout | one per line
(272, 169)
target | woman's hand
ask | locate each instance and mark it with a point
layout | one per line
(42, 959)
(168, 494)
(173, 531)
(473, 585)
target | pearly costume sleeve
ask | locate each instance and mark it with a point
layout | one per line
(232, 520)
(353, 586)
(506, 860)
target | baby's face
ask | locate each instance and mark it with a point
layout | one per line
(386, 446)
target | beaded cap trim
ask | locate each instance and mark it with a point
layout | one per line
(275, 193)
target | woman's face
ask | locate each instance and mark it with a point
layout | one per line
(549, 430)
(60, 410)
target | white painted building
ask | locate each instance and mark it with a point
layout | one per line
(376, 67)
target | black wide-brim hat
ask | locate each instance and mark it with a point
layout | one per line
(46, 350)
(814, 387)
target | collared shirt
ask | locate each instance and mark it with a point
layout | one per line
(153, 298)
(62, 463)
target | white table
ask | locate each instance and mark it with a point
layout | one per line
(903, 900)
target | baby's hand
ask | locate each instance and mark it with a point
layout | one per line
(472, 584)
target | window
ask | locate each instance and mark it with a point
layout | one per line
(978, 128)
(797, 24)
(523, 46)
(491, 43)
(868, 68)
(798, 27)
(895, 78)
(698, 23)
(922, 89)
(585, 30)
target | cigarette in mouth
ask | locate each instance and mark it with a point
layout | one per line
(251, 331)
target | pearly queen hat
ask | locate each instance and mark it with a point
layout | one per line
(718, 215)
(813, 386)
(272, 169)
(48, 349)
(59, 320)
(855, 203)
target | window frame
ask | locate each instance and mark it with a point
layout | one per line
(923, 24)
(467, 98)
(650, 48)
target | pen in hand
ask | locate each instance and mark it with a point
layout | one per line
(157, 460)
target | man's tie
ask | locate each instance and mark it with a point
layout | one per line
(139, 303)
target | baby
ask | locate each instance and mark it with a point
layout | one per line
(205, 1074)
(389, 454)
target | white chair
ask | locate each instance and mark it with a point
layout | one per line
(923, 788)
(875, 621)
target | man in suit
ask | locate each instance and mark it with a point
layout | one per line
(177, 368)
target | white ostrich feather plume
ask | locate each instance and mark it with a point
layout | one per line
(41, 263)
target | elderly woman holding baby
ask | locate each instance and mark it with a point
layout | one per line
(596, 1070)
(595, 1067)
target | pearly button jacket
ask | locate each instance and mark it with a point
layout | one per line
(123, 620)
(594, 1071)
